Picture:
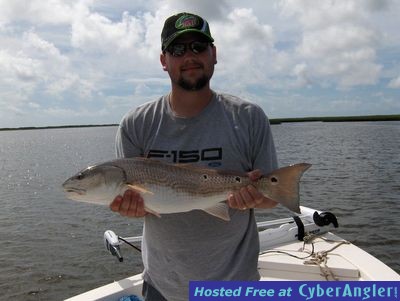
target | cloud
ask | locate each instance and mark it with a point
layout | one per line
(53, 69)
(36, 11)
(18, 67)
(338, 44)
(243, 40)
(122, 46)
(63, 57)
(300, 71)
(378, 5)
(394, 83)
(209, 9)
(92, 32)
(41, 72)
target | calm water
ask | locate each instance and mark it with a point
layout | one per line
(51, 248)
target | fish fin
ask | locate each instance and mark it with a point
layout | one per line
(221, 210)
(152, 212)
(283, 185)
(139, 188)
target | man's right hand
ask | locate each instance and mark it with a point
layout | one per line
(131, 204)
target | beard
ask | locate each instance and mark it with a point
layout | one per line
(197, 85)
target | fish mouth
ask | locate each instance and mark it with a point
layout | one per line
(75, 190)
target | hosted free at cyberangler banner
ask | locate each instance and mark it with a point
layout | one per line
(294, 290)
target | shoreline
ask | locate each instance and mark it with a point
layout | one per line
(272, 121)
(395, 117)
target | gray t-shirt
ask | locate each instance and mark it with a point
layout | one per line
(229, 134)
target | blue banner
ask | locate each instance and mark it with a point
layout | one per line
(294, 290)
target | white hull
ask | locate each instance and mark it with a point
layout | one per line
(335, 259)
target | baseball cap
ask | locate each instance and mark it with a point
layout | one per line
(181, 23)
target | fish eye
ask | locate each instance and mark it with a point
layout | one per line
(80, 176)
(205, 177)
(237, 179)
(274, 180)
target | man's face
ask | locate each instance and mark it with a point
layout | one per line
(189, 68)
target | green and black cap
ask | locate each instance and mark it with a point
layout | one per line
(182, 23)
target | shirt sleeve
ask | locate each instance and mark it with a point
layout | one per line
(126, 145)
(264, 155)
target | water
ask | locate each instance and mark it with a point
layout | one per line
(51, 248)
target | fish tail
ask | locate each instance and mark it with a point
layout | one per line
(282, 185)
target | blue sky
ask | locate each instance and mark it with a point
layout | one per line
(89, 62)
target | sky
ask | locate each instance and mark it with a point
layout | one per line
(65, 62)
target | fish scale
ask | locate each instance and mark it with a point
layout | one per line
(187, 178)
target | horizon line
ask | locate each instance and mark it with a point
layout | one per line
(359, 118)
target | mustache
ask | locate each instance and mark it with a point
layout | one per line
(189, 65)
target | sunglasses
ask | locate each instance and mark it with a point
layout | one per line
(179, 49)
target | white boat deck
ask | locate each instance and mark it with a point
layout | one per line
(346, 262)
(284, 258)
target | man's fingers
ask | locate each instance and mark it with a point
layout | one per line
(116, 203)
(235, 201)
(255, 174)
(256, 195)
(140, 211)
(246, 198)
(126, 203)
(130, 204)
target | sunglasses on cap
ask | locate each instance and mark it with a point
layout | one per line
(179, 49)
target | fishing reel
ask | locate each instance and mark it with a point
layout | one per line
(111, 242)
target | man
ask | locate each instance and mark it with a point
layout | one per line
(193, 124)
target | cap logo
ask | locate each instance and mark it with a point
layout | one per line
(186, 21)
